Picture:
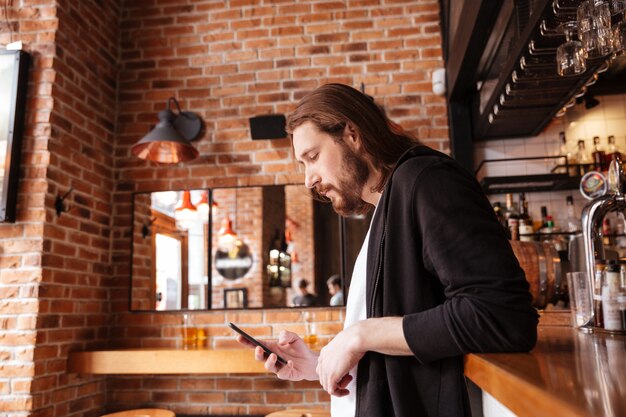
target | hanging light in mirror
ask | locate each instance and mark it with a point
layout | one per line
(185, 213)
(169, 141)
(226, 233)
(203, 205)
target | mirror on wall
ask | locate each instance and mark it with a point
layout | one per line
(237, 248)
(169, 250)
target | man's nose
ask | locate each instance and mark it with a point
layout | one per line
(310, 179)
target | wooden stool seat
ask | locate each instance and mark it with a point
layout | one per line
(300, 412)
(144, 412)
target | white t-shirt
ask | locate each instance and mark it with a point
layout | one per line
(355, 311)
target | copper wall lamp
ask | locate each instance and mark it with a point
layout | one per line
(169, 141)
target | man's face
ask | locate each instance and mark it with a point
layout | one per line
(331, 289)
(333, 169)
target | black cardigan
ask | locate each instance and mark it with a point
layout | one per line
(439, 258)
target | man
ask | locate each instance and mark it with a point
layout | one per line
(334, 289)
(305, 298)
(436, 277)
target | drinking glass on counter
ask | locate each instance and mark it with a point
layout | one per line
(189, 333)
(310, 335)
(579, 298)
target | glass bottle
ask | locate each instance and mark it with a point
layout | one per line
(572, 223)
(610, 292)
(597, 295)
(583, 157)
(497, 209)
(565, 150)
(525, 222)
(612, 150)
(598, 155)
(512, 218)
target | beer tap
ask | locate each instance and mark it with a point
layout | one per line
(592, 216)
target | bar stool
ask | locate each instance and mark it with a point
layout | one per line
(143, 412)
(300, 412)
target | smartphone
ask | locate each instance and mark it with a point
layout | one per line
(251, 339)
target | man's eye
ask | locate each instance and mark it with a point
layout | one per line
(314, 157)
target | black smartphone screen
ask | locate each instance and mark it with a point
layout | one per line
(256, 342)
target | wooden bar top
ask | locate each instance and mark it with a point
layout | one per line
(165, 361)
(569, 373)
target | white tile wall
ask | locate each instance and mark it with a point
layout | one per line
(608, 118)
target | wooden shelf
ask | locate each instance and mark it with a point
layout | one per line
(165, 361)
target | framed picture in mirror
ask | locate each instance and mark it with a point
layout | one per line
(13, 86)
(235, 297)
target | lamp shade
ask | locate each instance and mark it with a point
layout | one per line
(168, 142)
(185, 213)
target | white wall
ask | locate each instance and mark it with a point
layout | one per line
(608, 118)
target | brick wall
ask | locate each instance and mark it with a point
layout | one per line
(21, 243)
(102, 70)
(73, 296)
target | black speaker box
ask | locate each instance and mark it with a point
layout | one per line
(270, 126)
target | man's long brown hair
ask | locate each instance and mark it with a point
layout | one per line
(332, 106)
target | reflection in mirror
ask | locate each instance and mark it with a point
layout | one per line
(289, 240)
(169, 252)
(262, 243)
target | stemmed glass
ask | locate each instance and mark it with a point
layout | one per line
(594, 28)
(619, 30)
(570, 56)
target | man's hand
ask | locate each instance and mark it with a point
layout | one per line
(337, 358)
(383, 335)
(301, 361)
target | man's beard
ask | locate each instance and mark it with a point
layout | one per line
(355, 173)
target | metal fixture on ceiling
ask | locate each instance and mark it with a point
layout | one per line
(519, 89)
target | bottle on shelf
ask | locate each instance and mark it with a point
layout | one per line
(497, 209)
(549, 225)
(612, 150)
(572, 223)
(598, 155)
(610, 293)
(566, 150)
(526, 229)
(582, 157)
(512, 218)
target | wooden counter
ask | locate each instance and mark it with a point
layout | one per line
(567, 374)
(165, 361)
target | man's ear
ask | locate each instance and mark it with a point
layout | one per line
(351, 137)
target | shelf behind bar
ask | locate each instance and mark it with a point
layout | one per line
(165, 361)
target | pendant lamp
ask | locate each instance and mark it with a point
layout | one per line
(185, 213)
(203, 204)
(169, 141)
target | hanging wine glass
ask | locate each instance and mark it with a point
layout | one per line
(594, 28)
(570, 56)
(619, 30)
